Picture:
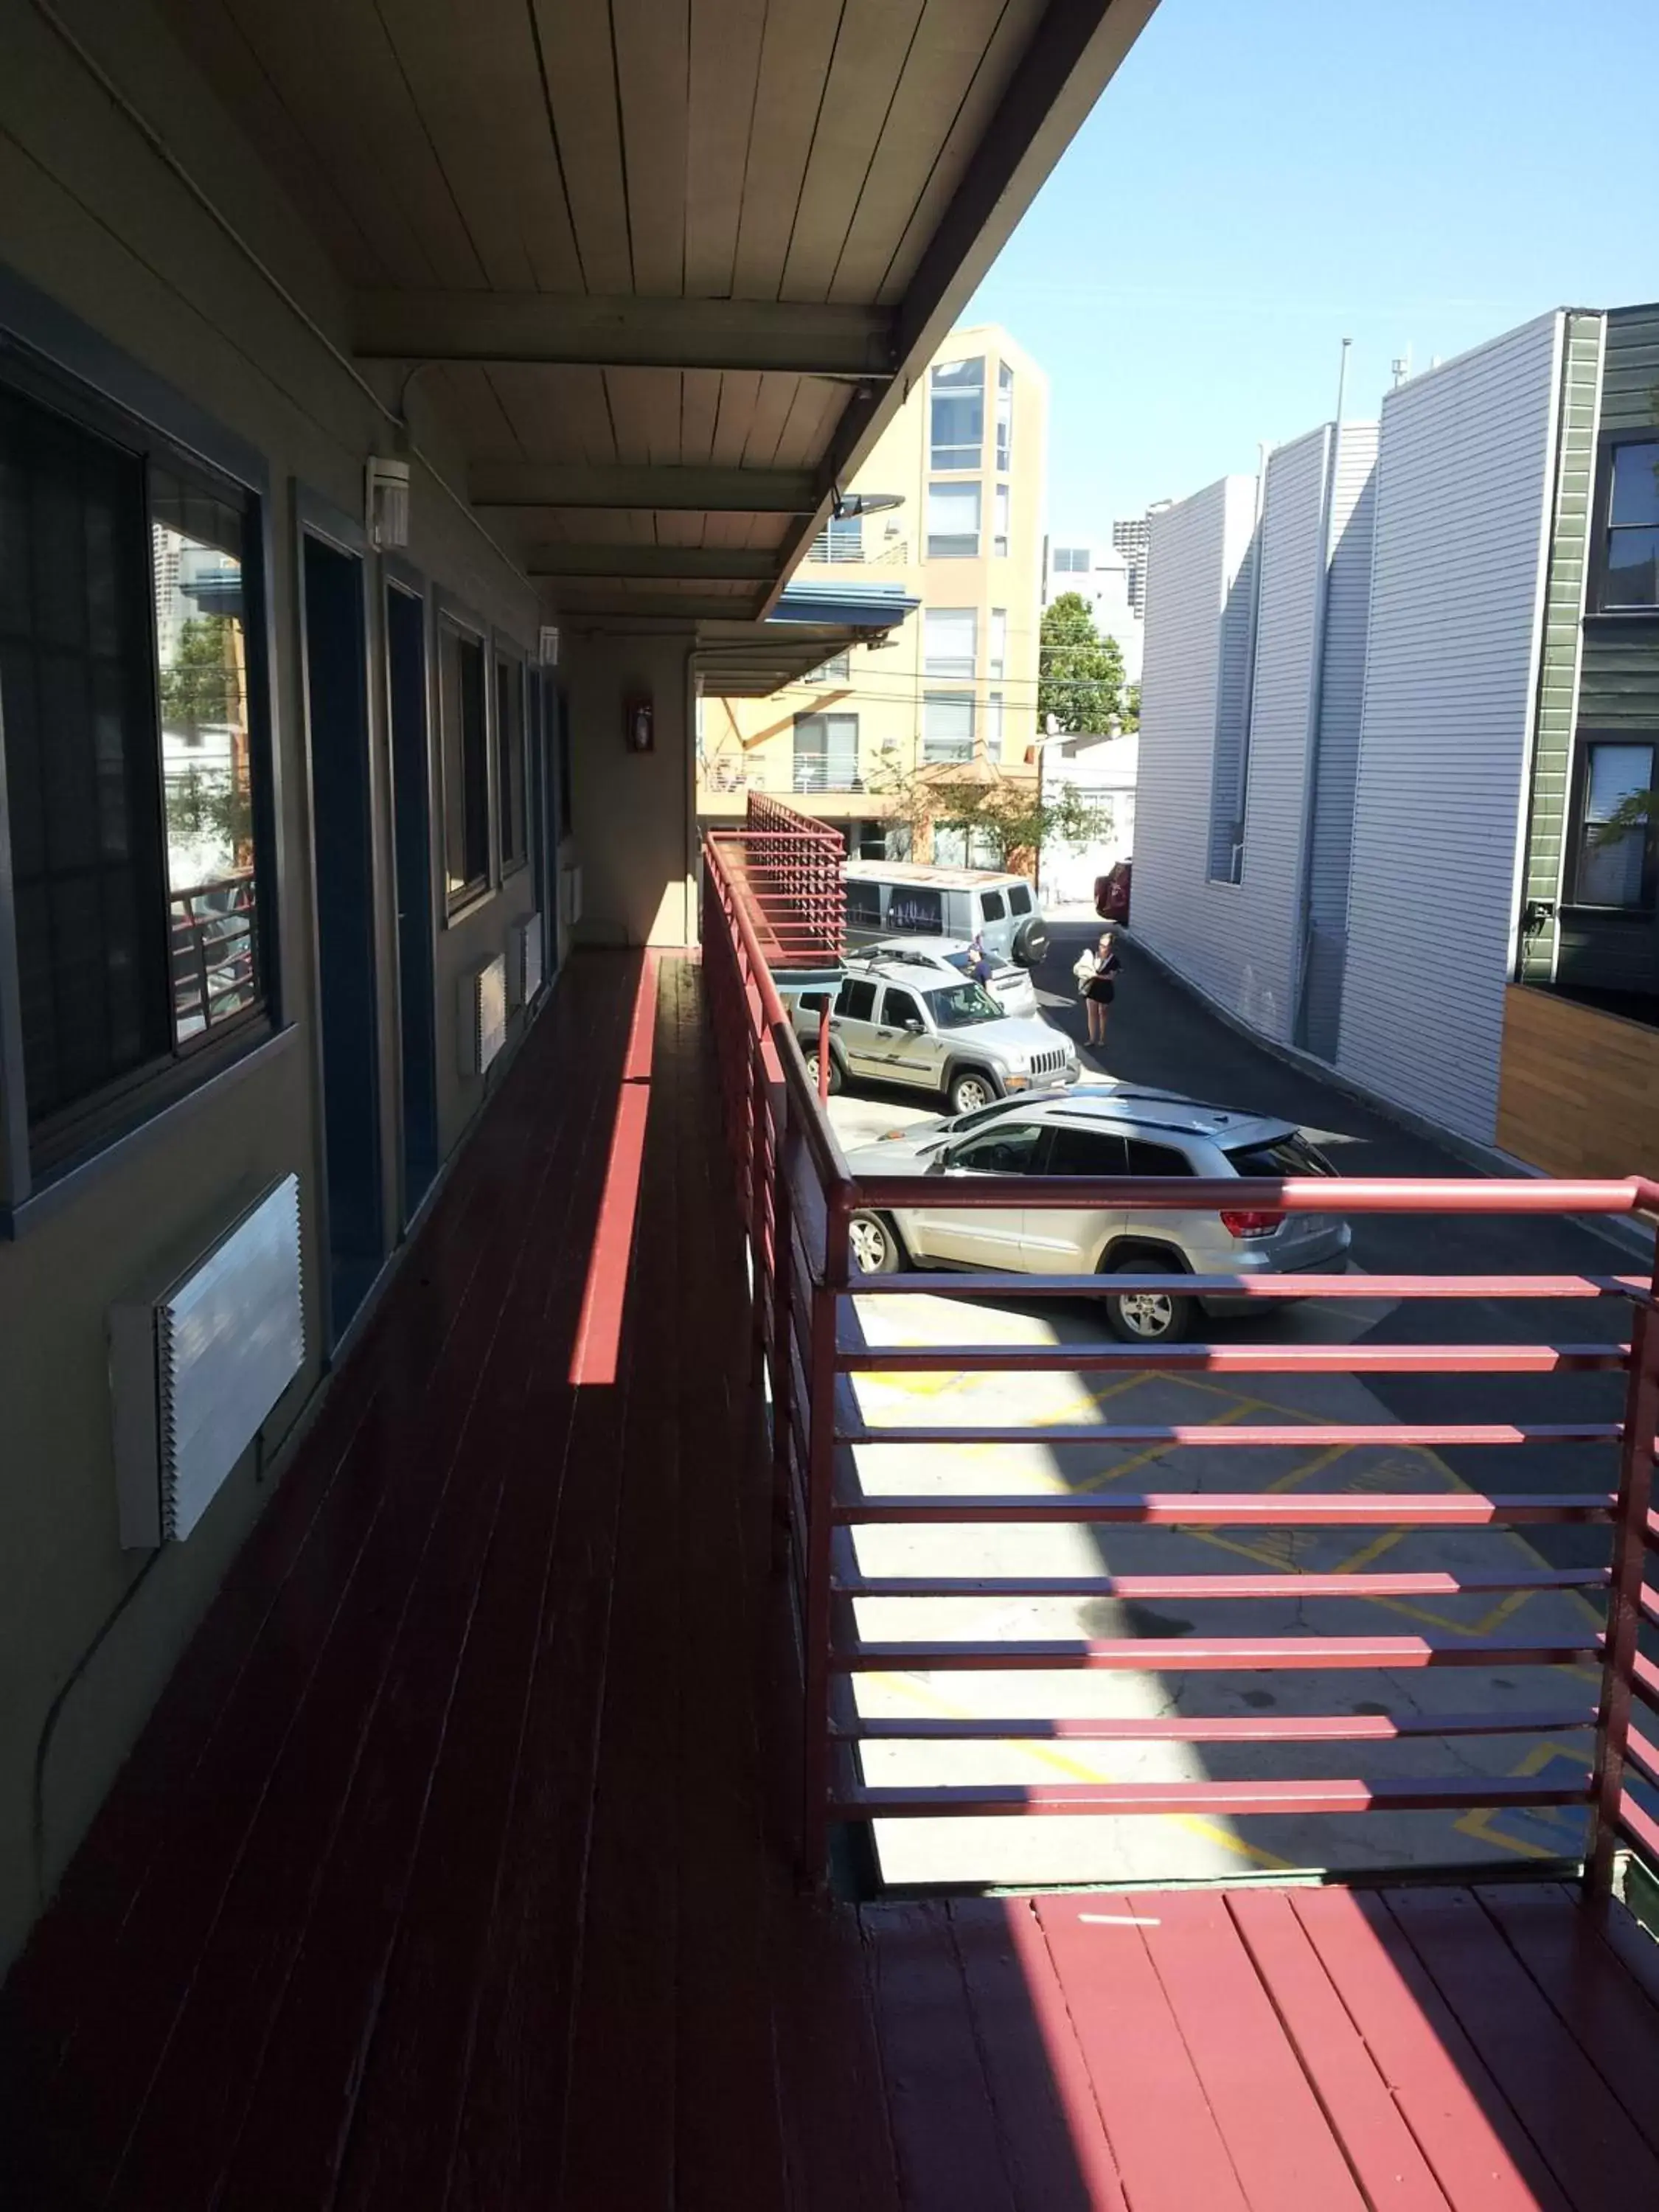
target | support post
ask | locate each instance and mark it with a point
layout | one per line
(820, 1496)
(823, 1052)
(783, 1334)
(1625, 1599)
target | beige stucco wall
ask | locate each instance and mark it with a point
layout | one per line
(91, 217)
(635, 822)
(751, 741)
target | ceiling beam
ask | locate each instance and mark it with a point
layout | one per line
(701, 564)
(501, 486)
(794, 339)
(603, 612)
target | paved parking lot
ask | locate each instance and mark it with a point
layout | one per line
(1164, 1038)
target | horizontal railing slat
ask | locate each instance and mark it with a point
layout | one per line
(1457, 1509)
(1283, 1436)
(1188, 1654)
(1233, 1798)
(1253, 1728)
(1352, 1284)
(1336, 1195)
(1154, 1587)
(861, 1357)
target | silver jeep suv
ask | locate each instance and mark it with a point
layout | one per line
(894, 1022)
(1101, 1129)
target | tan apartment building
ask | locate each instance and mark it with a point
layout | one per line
(956, 685)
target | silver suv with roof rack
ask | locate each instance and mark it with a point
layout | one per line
(1100, 1130)
(949, 957)
(892, 1022)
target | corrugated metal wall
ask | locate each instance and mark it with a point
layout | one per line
(1196, 553)
(1341, 696)
(1464, 489)
(1281, 714)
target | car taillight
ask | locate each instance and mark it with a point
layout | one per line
(1250, 1222)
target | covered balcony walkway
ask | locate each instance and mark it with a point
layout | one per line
(456, 1867)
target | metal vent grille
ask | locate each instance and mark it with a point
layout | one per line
(197, 1366)
(482, 1024)
(527, 957)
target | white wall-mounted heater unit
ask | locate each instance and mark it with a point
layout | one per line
(525, 949)
(197, 1359)
(481, 1027)
(570, 895)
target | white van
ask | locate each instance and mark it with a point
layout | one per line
(903, 898)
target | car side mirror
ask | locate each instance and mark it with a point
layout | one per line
(913, 1026)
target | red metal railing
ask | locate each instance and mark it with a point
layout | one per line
(788, 871)
(798, 1199)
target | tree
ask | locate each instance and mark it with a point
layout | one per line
(1128, 714)
(200, 687)
(1009, 813)
(1081, 678)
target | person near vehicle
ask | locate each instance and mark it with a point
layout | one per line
(1096, 970)
(981, 966)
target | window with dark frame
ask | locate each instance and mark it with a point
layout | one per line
(1630, 550)
(1616, 838)
(465, 740)
(510, 799)
(133, 762)
(956, 437)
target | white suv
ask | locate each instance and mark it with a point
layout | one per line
(891, 1022)
(948, 959)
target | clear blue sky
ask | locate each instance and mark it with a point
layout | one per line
(1263, 178)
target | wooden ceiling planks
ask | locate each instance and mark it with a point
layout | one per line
(581, 67)
(470, 399)
(772, 402)
(330, 61)
(554, 412)
(1013, 34)
(652, 69)
(699, 402)
(867, 67)
(740, 392)
(795, 58)
(723, 76)
(816, 408)
(480, 98)
(645, 408)
(214, 41)
(947, 51)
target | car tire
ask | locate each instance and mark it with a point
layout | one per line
(1147, 1317)
(1030, 945)
(970, 1088)
(873, 1246)
(836, 1076)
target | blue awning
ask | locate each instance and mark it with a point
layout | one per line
(852, 605)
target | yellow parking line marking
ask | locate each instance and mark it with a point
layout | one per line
(1325, 1458)
(1478, 1821)
(1105, 1474)
(904, 1685)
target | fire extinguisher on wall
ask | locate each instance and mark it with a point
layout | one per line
(638, 734)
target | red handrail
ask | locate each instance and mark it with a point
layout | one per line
(764, 890)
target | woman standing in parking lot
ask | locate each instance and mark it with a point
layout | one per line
(1096, 968)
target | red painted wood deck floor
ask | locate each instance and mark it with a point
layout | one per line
(449, 1871)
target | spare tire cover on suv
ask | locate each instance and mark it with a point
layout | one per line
(1031, 942)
